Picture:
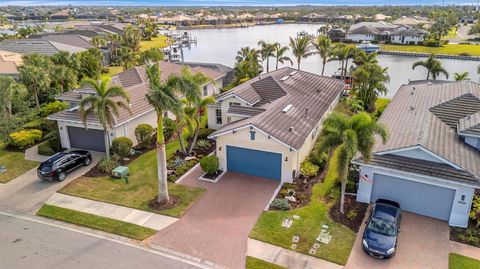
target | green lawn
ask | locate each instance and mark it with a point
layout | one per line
(268, 228)
(254, 263)
(380, 106)
(156, 42)
(113, 70)
(456, 261)
(96, 222)
(141, 189)
(450, 49)
(452, 33)
(14, 162)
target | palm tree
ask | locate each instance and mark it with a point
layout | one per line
(369, 83)
(279, 55)
(8, 87)
(105, 104)
(99, 41)
(433, 66)
(301, 47)
(62, 78)
(36, 80)
(266, 51)
(461, 76)
(362, 58)
(350, 135)
(248, 64)
(341, 53)
(126, 57)
(163, 96)
(323, 47)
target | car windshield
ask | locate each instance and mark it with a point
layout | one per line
(382, 226)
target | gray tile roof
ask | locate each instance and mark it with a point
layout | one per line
(26, 46)
(409, 32)
(245, 110)
(303, 90)
(470, 125)
(420, 115)
(71, 40)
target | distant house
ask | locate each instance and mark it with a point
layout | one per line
(268, 125)
(60, 15)
(467, 20)
(430, 164)
(411, 21)
(46, 46)
(385, 32)
(72, 130)
(381, 17)
(408, 36)
(336, 34)
(314, 17)
(9, 62)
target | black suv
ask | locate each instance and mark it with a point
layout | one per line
(57, 166)
(381, 234)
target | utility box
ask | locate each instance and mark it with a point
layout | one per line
(120, 172)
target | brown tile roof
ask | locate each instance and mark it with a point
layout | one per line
(470, 125)
(303, 91)
(245, 110)
(136, 84)
(418, 116)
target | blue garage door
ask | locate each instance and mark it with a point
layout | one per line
(424, 199)
(254, 162)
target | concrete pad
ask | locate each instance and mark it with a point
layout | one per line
(159, 222)
(114, 212)
(138, 217)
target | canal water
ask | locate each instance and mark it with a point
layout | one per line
(221, 46)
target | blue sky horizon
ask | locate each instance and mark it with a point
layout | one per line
(233, 3)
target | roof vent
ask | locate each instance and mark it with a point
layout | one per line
(306, 112)
(412, 108)
(285, 78)
(287, 108)
(290, 129)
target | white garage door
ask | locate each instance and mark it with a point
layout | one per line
(423, 199)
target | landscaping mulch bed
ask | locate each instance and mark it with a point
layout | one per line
(174, 202)
(354, 213)
(213, 177)
(469, 236)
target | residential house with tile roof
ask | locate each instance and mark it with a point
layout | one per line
(268, 125)
(430, 164)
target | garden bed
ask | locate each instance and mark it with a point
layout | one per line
(469, 236)
(354, 213)
(302, 192)
(212, 178)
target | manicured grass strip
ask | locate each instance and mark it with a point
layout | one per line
(269, 226)
(456, 261)
(449, 49)
(254, 263)
(156, 42)
(96, 222)
(113, 70)
(15, 163)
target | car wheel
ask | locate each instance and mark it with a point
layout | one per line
(87, 161)
(61, 176)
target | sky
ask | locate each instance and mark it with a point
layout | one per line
(231, 2)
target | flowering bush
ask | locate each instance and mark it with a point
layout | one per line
(25, 138)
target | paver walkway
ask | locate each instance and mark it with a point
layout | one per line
(31, 154)
(423, 244)
(126, 214)
(285, 257)
(216, 228)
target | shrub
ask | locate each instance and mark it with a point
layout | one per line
(45, 149)
(169, 127)
(475, 212)
(209, 164)
(52, 108)
(352, 214)
(144, 134)
(25, 138)
(280, 204)
(308, 169)
(204, 133)
(121, 146)
(107, 166)
(203, 144)
(35, 124)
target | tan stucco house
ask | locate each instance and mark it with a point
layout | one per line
(267, 126)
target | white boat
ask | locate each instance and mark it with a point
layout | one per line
(368, 47)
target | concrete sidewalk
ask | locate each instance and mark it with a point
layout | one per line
(126, 214)
(285, 257)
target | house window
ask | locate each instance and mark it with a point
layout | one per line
(205, 90)
(234, 104)
(218, 114)
(252, 135)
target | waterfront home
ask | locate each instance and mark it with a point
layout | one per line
(412, 21)
(47, 45)
(73, 133)
(430, 164)
(408, 36)
(267, 126)
(336, 34)
(370, 31)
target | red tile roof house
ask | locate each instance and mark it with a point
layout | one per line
(431, 163)
(72, 130)
(267, 126)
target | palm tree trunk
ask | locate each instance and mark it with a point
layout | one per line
(107, 144)
(276, 64)
(37, 102)
(342, 196)
(428, 75)
(180, 141)
(163, 196)
(195, 136)
(298, 63)
(268, 64)
(323, 65)
(346, 68)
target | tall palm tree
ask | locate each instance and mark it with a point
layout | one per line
(62, 78)
(126, 57)
(36, 80)
(248, 64)
(301, 47)
(323, 47)
(266, 51)
(8, 87)
(163, 96)
(279, 55)
(99, 41)
(105, 104)
(341, 53)
(368, 83)
(461, 76)
(433, 66)
(350, 135)
(361, 58)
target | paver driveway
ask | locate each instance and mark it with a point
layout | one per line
(216, 228)
(423, 244)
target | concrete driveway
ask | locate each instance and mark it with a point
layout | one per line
(28, 193)
(423, 243)
(216, 228)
